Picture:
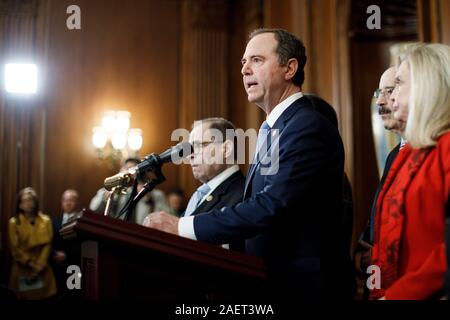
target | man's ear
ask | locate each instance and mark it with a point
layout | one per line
(291, 68)
(227, 149)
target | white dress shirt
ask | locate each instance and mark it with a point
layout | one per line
(402, 142)
(186, 224)
(281, 107)
(66, 216)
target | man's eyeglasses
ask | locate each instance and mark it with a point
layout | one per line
(198, 146)
(386, 92)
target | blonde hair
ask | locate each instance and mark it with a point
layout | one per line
(429, 97)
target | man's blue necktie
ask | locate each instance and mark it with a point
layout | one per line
(196, 198)
(262, 141)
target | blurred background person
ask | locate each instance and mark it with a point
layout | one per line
(175, 201)
(326, 110)
(30, 238)
(98, 202)
(158, 199)
(409, 245)
(155, 200)
(65, 252)
(152, 201)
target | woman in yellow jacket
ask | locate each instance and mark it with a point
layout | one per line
(30, 238)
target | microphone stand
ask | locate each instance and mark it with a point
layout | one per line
(148, 186)
(115, 191)
(117, 185)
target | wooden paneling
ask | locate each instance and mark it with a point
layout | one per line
(444, 21)
(433, 20)
(203, 67)
(398, 19)
(246, 16)
(125, 57)
(322, 25)
(428, 17)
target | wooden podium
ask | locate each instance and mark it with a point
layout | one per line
(121, 260)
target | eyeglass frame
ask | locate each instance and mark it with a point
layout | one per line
(384, 92)
(198, 146)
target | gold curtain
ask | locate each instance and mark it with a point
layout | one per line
(23, 31)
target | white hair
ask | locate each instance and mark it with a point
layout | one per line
(429, 97)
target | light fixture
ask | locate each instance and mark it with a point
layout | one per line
(119, 140)
(21, 78)
(135, 139)
(99, 137)
(114, 139)
(122, 121)
(109, 121)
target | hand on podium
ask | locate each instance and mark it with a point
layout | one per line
(162, 221)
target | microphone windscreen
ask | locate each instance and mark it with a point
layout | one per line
(176, 153)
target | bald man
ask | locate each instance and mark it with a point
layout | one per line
(385, 107)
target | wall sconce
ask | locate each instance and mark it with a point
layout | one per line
(114, 139)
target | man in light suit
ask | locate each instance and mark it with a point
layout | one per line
(291, 213)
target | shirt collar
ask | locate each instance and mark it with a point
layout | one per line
(402, 142)
(67, 216)
(281, 107)
(221, 177)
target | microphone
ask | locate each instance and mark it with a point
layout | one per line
(173, 154)
(151, 161)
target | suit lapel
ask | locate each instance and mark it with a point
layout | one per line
(253, 166)
(209, 202)
(214, 198)
(279, 125)
(58, 222)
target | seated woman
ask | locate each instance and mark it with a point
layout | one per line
(409, 246)
(30, 237)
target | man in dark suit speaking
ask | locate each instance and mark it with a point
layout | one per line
(291, 213)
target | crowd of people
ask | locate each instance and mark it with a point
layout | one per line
(40, 256)
(288, 216)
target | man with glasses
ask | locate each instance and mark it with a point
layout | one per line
(384, 102)
(214, 165)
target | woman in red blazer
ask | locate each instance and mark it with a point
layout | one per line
(409, 245)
